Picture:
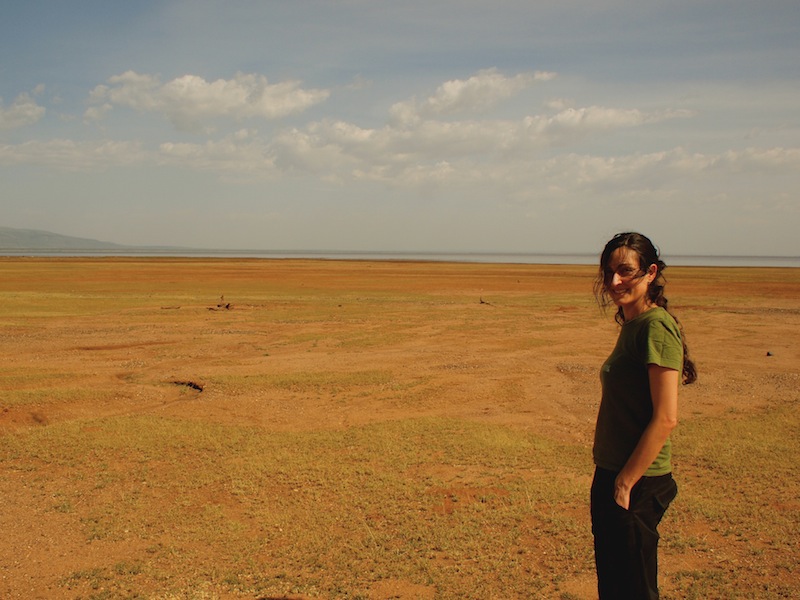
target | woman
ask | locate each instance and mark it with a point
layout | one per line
(633, 483)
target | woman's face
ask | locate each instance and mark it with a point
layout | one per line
(626, 282)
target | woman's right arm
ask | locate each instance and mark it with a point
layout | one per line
(664, 392)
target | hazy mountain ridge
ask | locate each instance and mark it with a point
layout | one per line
(34, 239)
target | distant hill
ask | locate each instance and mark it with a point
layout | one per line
(32, 239)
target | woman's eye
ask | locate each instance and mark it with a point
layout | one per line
(623, 272)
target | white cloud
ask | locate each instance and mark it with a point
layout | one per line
(575, 177)
(238, 154)
(765, 158)
(190, 100)
(575, 123)
(479, 93)
(23, 111)
(70, 155)
(399, 148)
(97, 113)
(668, 170)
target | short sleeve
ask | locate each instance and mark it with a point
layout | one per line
(664, 345)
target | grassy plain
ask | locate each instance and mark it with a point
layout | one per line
(203, 429)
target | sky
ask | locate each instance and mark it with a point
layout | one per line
(417, 126)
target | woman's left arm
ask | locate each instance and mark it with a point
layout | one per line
(664, 392)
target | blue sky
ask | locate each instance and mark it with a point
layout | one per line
(451, 125)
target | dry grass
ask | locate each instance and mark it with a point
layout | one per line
(448, 504)
(369, 430)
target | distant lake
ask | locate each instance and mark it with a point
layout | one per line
(475, 257)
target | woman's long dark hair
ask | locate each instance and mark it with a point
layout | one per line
(648, 255)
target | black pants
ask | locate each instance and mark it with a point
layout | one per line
(626, 541)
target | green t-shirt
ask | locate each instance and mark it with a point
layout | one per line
(626, 406)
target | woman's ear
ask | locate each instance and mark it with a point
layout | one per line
(652, 272)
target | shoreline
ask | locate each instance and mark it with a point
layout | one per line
(487, 258)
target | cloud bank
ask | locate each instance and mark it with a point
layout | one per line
(447, 138)
(449, 131)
